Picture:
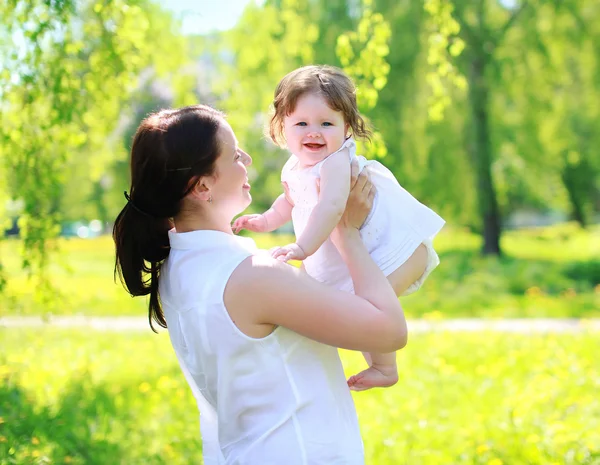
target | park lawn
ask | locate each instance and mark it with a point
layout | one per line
(546, 272)
(84, 397)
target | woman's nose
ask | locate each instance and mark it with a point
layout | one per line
(247, 159)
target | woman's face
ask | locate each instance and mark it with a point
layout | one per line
(230, 190)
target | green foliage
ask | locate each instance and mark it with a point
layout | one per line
(444, 44)
(80, 75)
(548, 128)
(362, 54)
(69, 396)
(69, 70)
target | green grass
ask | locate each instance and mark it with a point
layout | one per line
(546, 272)
(85, 397)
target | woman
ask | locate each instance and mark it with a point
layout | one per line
(256, 338)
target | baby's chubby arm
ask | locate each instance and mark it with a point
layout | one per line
(333, 195)
(279, 213)
(275, 217)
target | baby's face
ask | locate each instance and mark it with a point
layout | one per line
(313, 130)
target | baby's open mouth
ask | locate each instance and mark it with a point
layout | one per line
(314, 146)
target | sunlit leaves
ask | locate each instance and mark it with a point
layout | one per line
(71, 67)
(363, 53)
(444, 45)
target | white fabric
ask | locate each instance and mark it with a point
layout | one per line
(396, 226)
(282, 399)
(433, 260)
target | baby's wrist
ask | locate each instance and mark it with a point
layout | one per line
(264, 217)
(303, 249)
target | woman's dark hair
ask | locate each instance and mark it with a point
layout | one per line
(171, 150)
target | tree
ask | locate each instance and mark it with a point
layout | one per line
(420, 112)
(70, 67)
(363, 54)
(545, 81)
(483, 33)
(501, 41)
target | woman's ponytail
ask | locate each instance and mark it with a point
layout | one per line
(142, 244)
(171, 150)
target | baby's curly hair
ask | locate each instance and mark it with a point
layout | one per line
(330, 82)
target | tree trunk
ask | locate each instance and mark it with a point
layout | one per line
(98, 199)
(482, 156)
(573, 182)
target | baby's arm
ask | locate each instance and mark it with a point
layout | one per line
(279, 213)
(276, 216)
(333, 195)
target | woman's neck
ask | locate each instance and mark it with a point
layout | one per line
(194, 221)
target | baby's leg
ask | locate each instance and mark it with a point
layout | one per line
(410, 271)
(382, 371)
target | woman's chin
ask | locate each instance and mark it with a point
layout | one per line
(246, 203)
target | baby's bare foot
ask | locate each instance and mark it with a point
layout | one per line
(374, 376)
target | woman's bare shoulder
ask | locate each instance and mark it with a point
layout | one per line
(261, 271)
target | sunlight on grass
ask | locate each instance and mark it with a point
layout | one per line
(546, 272)
(86, 397)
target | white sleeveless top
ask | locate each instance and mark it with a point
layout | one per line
(282, 399)
(396, 226)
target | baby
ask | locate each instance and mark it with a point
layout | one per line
(316, 116)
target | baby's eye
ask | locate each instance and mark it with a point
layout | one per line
(238, 155)
(327, 123)
(301, 123)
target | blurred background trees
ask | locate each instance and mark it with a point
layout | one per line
(486, 110)
(70, 72)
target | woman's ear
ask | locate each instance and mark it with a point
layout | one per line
(347, 130)
(202, 189)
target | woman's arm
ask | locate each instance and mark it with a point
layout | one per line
(263, 293)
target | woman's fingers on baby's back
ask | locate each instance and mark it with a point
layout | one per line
(362, 182)
(354, 172)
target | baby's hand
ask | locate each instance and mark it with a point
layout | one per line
(288, 252)
(254, 223)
